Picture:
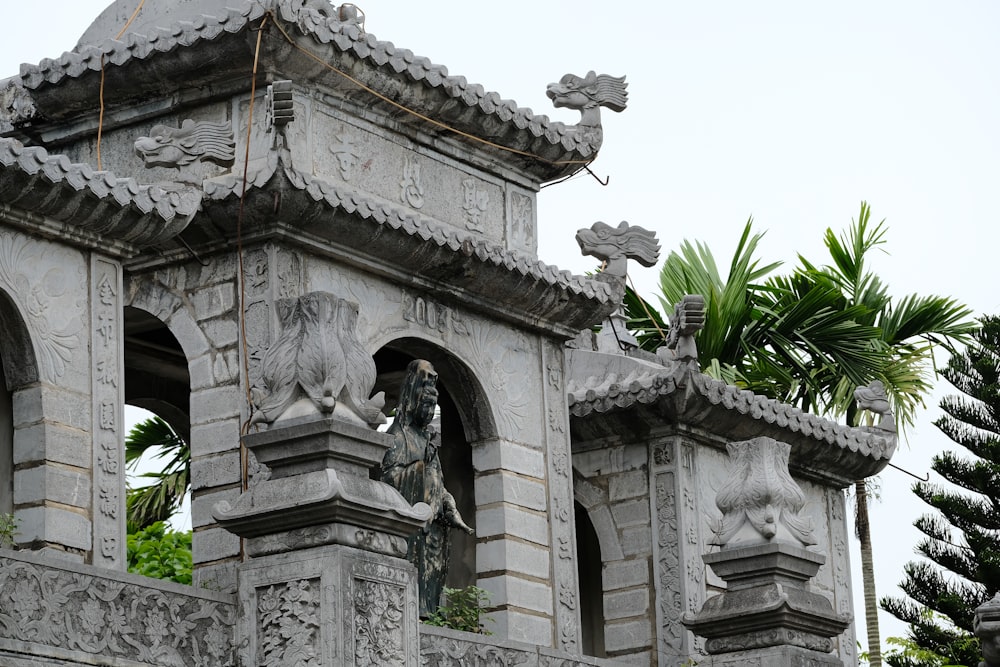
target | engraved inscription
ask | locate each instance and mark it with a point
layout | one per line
(346, 153)
(476, 203)
(412, 187)
(522, 229)
(109, 482)
(432, 315)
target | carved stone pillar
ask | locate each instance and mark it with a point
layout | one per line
(327, 582)
(767, 615)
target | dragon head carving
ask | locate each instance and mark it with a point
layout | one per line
(616, 245)
(588, 94)
(192, 142)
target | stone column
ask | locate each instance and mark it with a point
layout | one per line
(767, 615)
(327, 582)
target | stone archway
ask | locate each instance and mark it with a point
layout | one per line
(465, 422)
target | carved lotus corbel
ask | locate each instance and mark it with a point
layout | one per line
(316, 365)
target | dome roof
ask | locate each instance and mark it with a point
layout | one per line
(154, 14)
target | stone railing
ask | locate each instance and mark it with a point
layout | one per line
(70, 614)
(440, 647)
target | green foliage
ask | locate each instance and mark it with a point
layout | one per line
(905, 652)
(8, 528)
(961, 545)
(462, 610)
(159, 500)
(809, 337)
(160, 553)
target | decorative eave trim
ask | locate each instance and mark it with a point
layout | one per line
(74, 64)
(465, 106)
(683, 394)
(556, 299)
(94, 202)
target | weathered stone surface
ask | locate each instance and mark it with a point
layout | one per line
(329, 606)
(48, 482)
(510, 555)
(53, 525)
(512, 489)
(80, 614)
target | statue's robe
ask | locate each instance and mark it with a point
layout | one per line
(418, 480)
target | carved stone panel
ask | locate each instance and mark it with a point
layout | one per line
(45, 282)
(357, 155)
(501, 357)
(383, 310)
(521, 224)
(560, 476)
(329, 605)
(669, 566)
(109, 399)
(74, 613)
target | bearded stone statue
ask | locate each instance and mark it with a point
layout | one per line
(412, 466)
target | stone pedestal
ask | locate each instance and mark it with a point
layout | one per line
(986, 624)
(766, 612)
(328, 583)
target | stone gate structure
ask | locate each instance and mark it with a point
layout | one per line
(166, 186)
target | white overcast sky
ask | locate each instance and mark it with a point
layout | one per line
(792, 112)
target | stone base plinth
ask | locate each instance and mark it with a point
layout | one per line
(778, 656)
(767, 603)
(333, 606)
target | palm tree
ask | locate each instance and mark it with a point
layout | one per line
(811, 337)
(162, 498)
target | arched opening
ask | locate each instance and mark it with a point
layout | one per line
(156, 370)
(463, 422)
(589, 566)
(18, 374)
(6, 446)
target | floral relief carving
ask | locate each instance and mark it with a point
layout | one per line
(436, 651)
(288, 625)
(503, 373)
(378, 623)
(104, 616)
(671, 604)
(38, 298)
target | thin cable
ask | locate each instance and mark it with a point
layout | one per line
(100, 116)
(421, 116)
(244, 429)
(642, 302)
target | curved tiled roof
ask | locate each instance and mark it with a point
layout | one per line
(525, 279)
(87, 58)
(510, 125)
(94, 201)
(704, 396)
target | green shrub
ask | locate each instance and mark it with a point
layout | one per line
(160, 553)
(462, 610)
(8, 528)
